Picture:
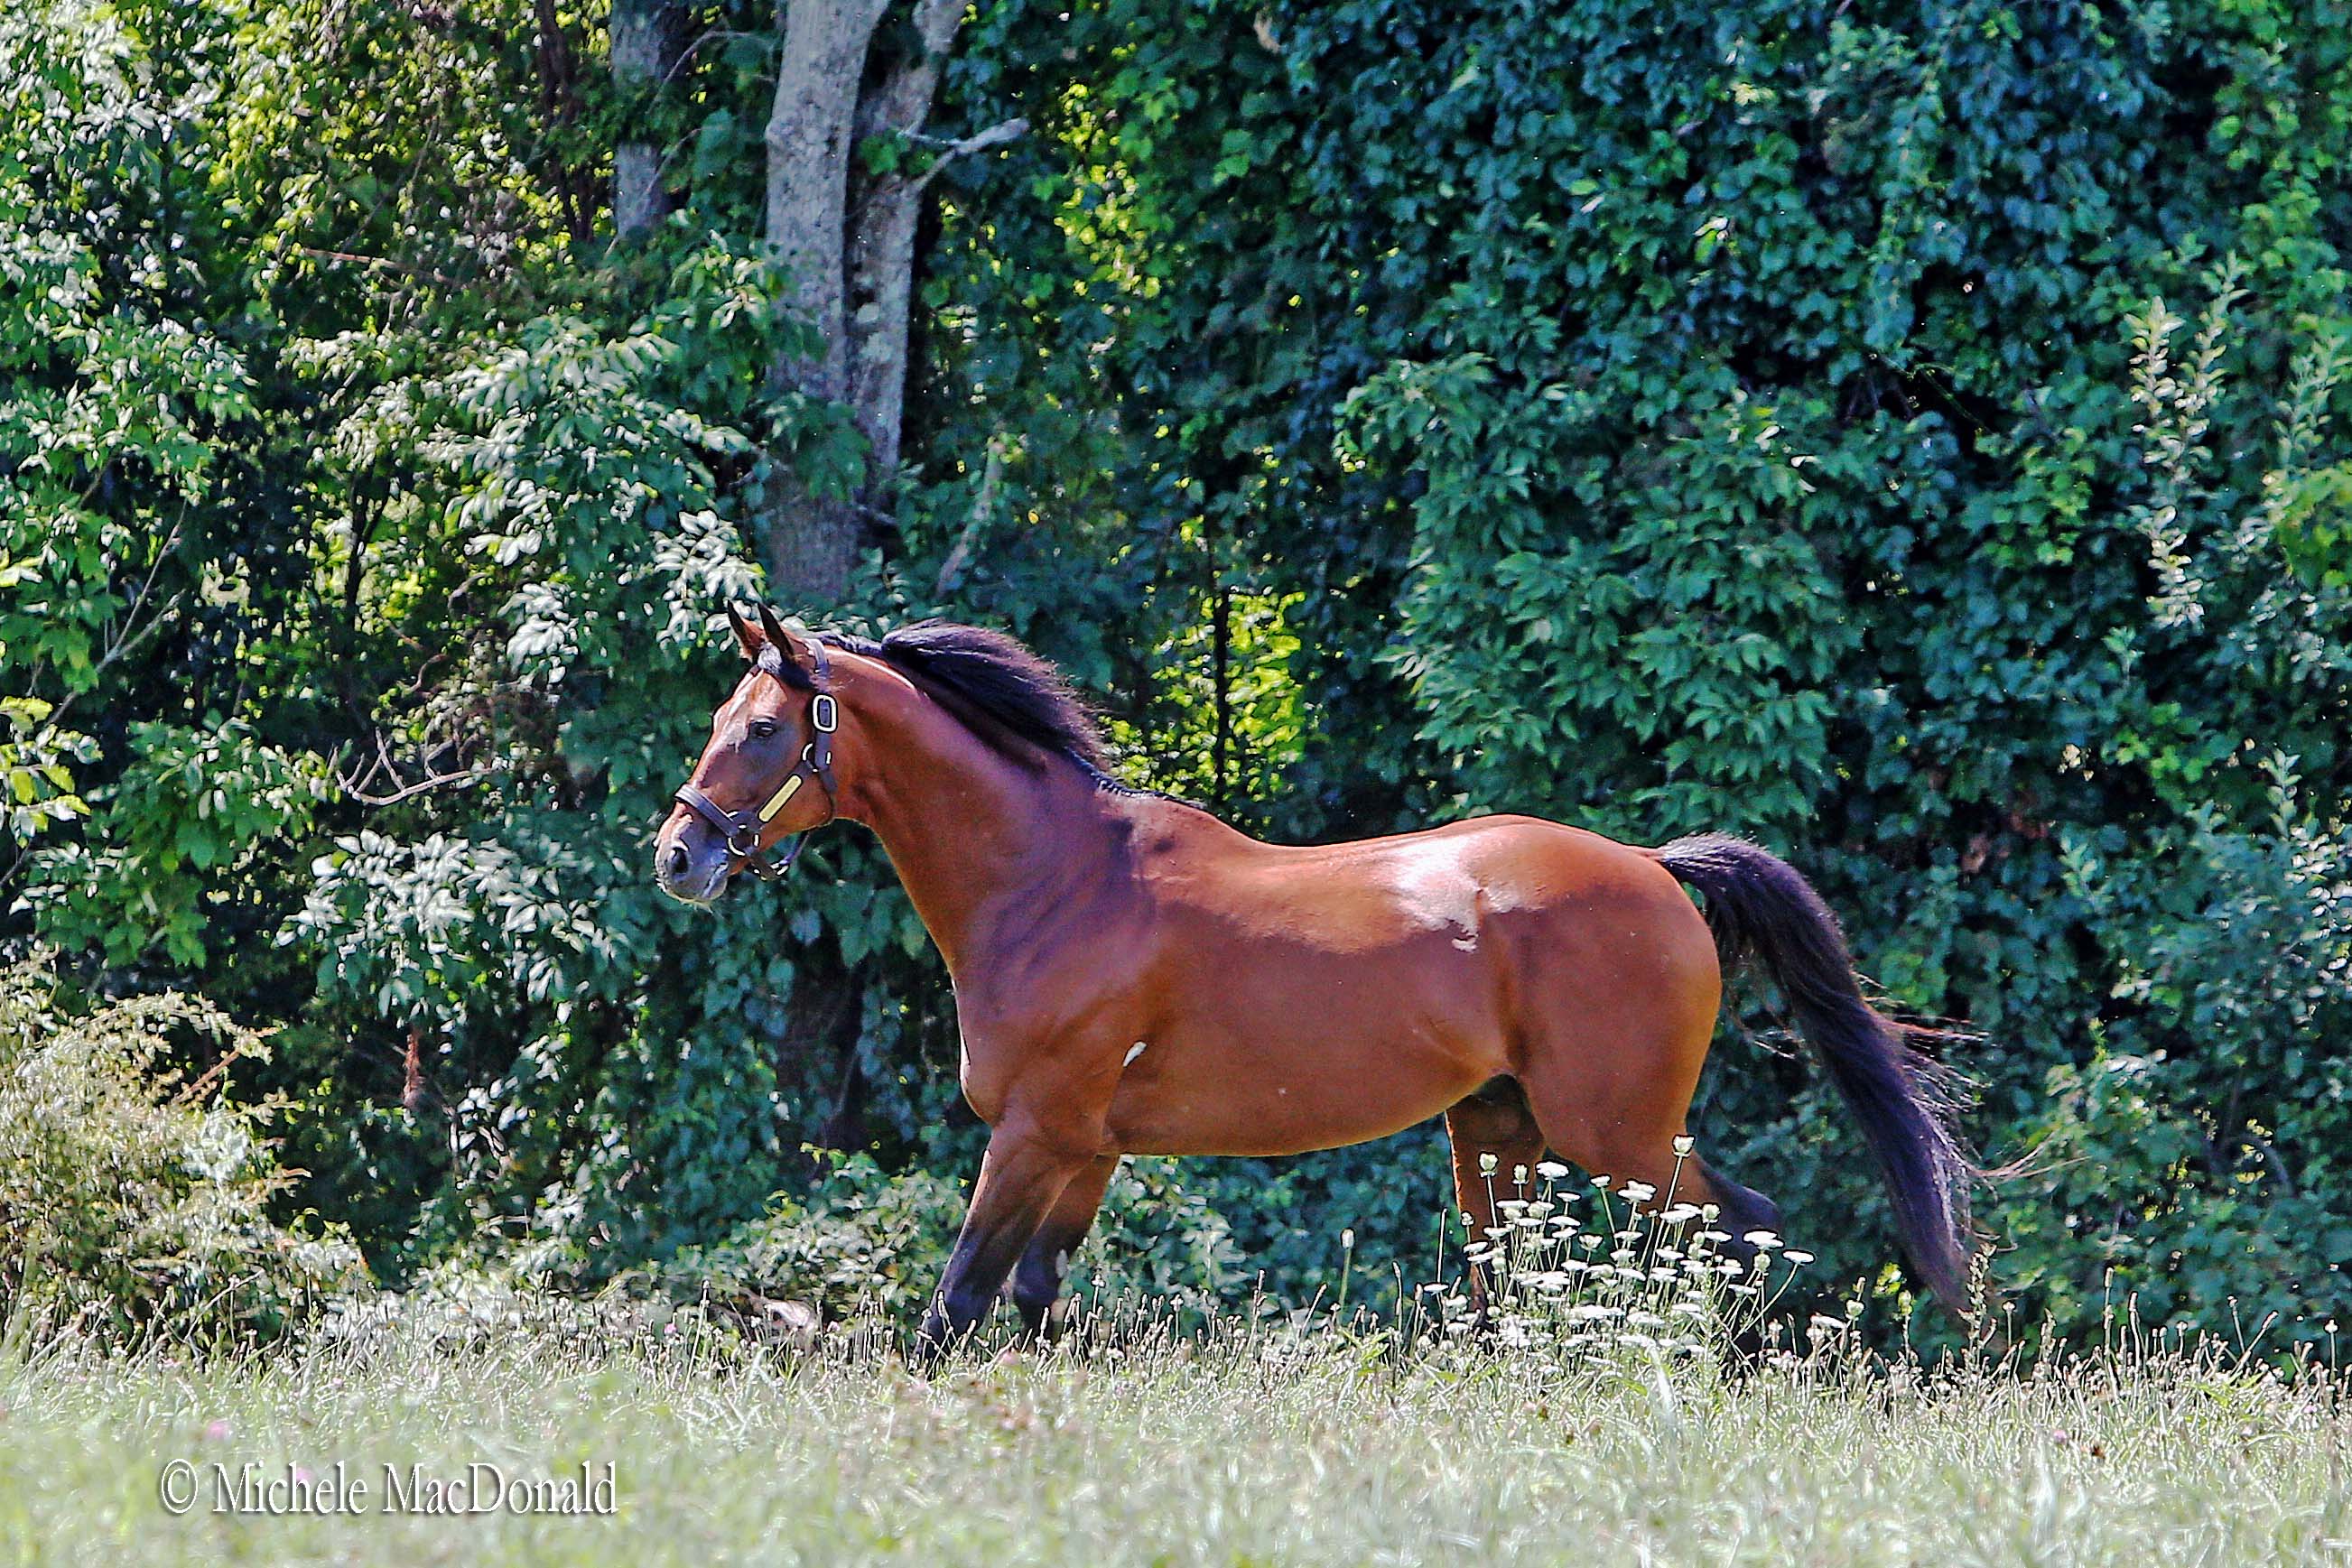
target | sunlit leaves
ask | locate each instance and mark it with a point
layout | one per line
(192, 806)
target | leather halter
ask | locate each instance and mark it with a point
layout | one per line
(742, 830)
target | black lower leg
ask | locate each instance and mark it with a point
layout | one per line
(1019, 1184)
(967, 1291)
(1743, 1210)
(1037, 1281)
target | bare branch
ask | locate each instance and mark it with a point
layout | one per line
(937, 21)
(357, 786)
(423, 786)
(381, 264)
(685, 56)
(978, 141)
(902, 101)
(982, 506)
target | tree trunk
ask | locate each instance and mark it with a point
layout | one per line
(881, 293)
(882, 245)
(810, 130)
(645, 51)
(560, 108)
(849, 246)
(810, 541)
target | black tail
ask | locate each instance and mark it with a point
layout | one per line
(1758, 907)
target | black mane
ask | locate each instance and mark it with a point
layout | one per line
(991, 675)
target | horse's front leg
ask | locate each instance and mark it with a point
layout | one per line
(1037, 1281)
(1020, 1178)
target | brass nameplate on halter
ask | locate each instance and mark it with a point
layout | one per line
(776, 803)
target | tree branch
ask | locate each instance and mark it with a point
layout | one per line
(982, 506)
(978, 141)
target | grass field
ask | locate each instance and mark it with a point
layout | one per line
(1232, 1448)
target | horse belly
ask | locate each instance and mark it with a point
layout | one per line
(1268, 1065)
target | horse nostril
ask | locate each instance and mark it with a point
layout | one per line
(678, 861)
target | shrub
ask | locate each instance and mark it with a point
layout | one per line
(135, 1201)
(866, 1242)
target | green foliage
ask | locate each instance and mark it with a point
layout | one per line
(859, 1242)
(2190, 1178)
(116, 399)
(35, 763)
(132, 1203)
(578, 472)
(174, 836)
(1710, 590)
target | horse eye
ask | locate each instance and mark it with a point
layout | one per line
(761, 728)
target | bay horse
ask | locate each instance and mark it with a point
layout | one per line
(1133, 976)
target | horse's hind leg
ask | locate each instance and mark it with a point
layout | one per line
(1494, 1123)
(1613, 1098)
(1643, 1151)
(1637, 1144)
(1744, 1208)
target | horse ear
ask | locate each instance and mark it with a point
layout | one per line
(747, 636)
(795, 648)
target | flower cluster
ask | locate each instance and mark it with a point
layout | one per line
(1586, 1272)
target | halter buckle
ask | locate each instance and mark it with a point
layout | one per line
(824, 713)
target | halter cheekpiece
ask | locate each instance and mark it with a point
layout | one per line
(742, 830)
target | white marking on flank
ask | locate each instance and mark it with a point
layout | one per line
(1133, 1051)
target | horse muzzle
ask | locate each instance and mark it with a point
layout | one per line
(691, 863)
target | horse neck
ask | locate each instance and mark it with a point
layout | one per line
(969, 830)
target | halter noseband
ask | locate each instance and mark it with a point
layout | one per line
(742, 830)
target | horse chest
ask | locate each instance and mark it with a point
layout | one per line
(999, 1054)
(981, 1078)
(1019, 1058)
